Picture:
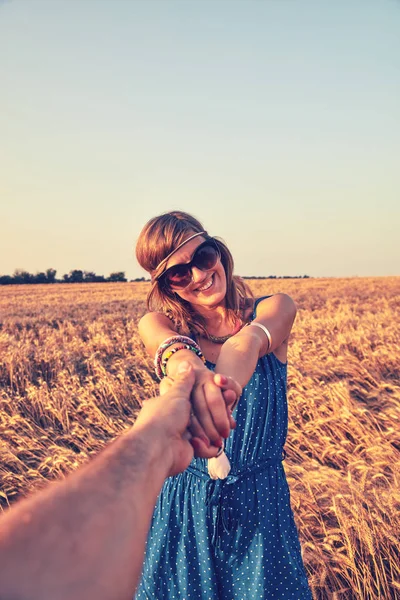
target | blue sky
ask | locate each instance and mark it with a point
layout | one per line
(275, 122)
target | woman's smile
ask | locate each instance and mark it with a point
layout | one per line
(207, 285)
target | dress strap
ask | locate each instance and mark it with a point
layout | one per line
(257, 302)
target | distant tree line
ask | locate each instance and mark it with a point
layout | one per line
(50, 276)
(78, 276)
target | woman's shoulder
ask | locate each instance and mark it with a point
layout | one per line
(249, 304)
(153, 318)
(154, 327)
(279, 297)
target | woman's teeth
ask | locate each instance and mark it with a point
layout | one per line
(206, 286)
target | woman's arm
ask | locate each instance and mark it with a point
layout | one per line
(239, 355)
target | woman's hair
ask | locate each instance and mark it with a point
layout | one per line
(159, 237)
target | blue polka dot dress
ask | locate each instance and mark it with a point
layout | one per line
(232, 539)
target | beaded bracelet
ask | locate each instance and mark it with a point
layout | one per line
(170, 353)
(176, 339)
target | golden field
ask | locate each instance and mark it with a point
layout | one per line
(73, 373)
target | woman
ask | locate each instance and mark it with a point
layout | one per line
(233, 537)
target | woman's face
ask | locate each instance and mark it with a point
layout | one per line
(207, 288)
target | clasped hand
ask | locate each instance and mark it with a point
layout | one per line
(213, 398)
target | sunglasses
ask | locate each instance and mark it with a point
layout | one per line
(205, 258)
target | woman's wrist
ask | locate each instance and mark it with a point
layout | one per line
(184, 355)
(169, 347)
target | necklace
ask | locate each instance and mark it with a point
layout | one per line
(216, 339)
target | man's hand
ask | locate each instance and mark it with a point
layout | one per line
(166, 420)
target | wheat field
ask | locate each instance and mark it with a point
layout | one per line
(73, 374)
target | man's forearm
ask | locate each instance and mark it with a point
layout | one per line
(84, 538)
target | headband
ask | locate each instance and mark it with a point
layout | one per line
(164, 260)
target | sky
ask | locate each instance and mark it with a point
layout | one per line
(274, 122)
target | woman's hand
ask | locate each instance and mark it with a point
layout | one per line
(231, 391)
(212, 398)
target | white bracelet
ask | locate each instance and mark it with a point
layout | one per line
(266, 331)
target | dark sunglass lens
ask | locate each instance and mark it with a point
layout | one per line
(179, 276)
(206, 257)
